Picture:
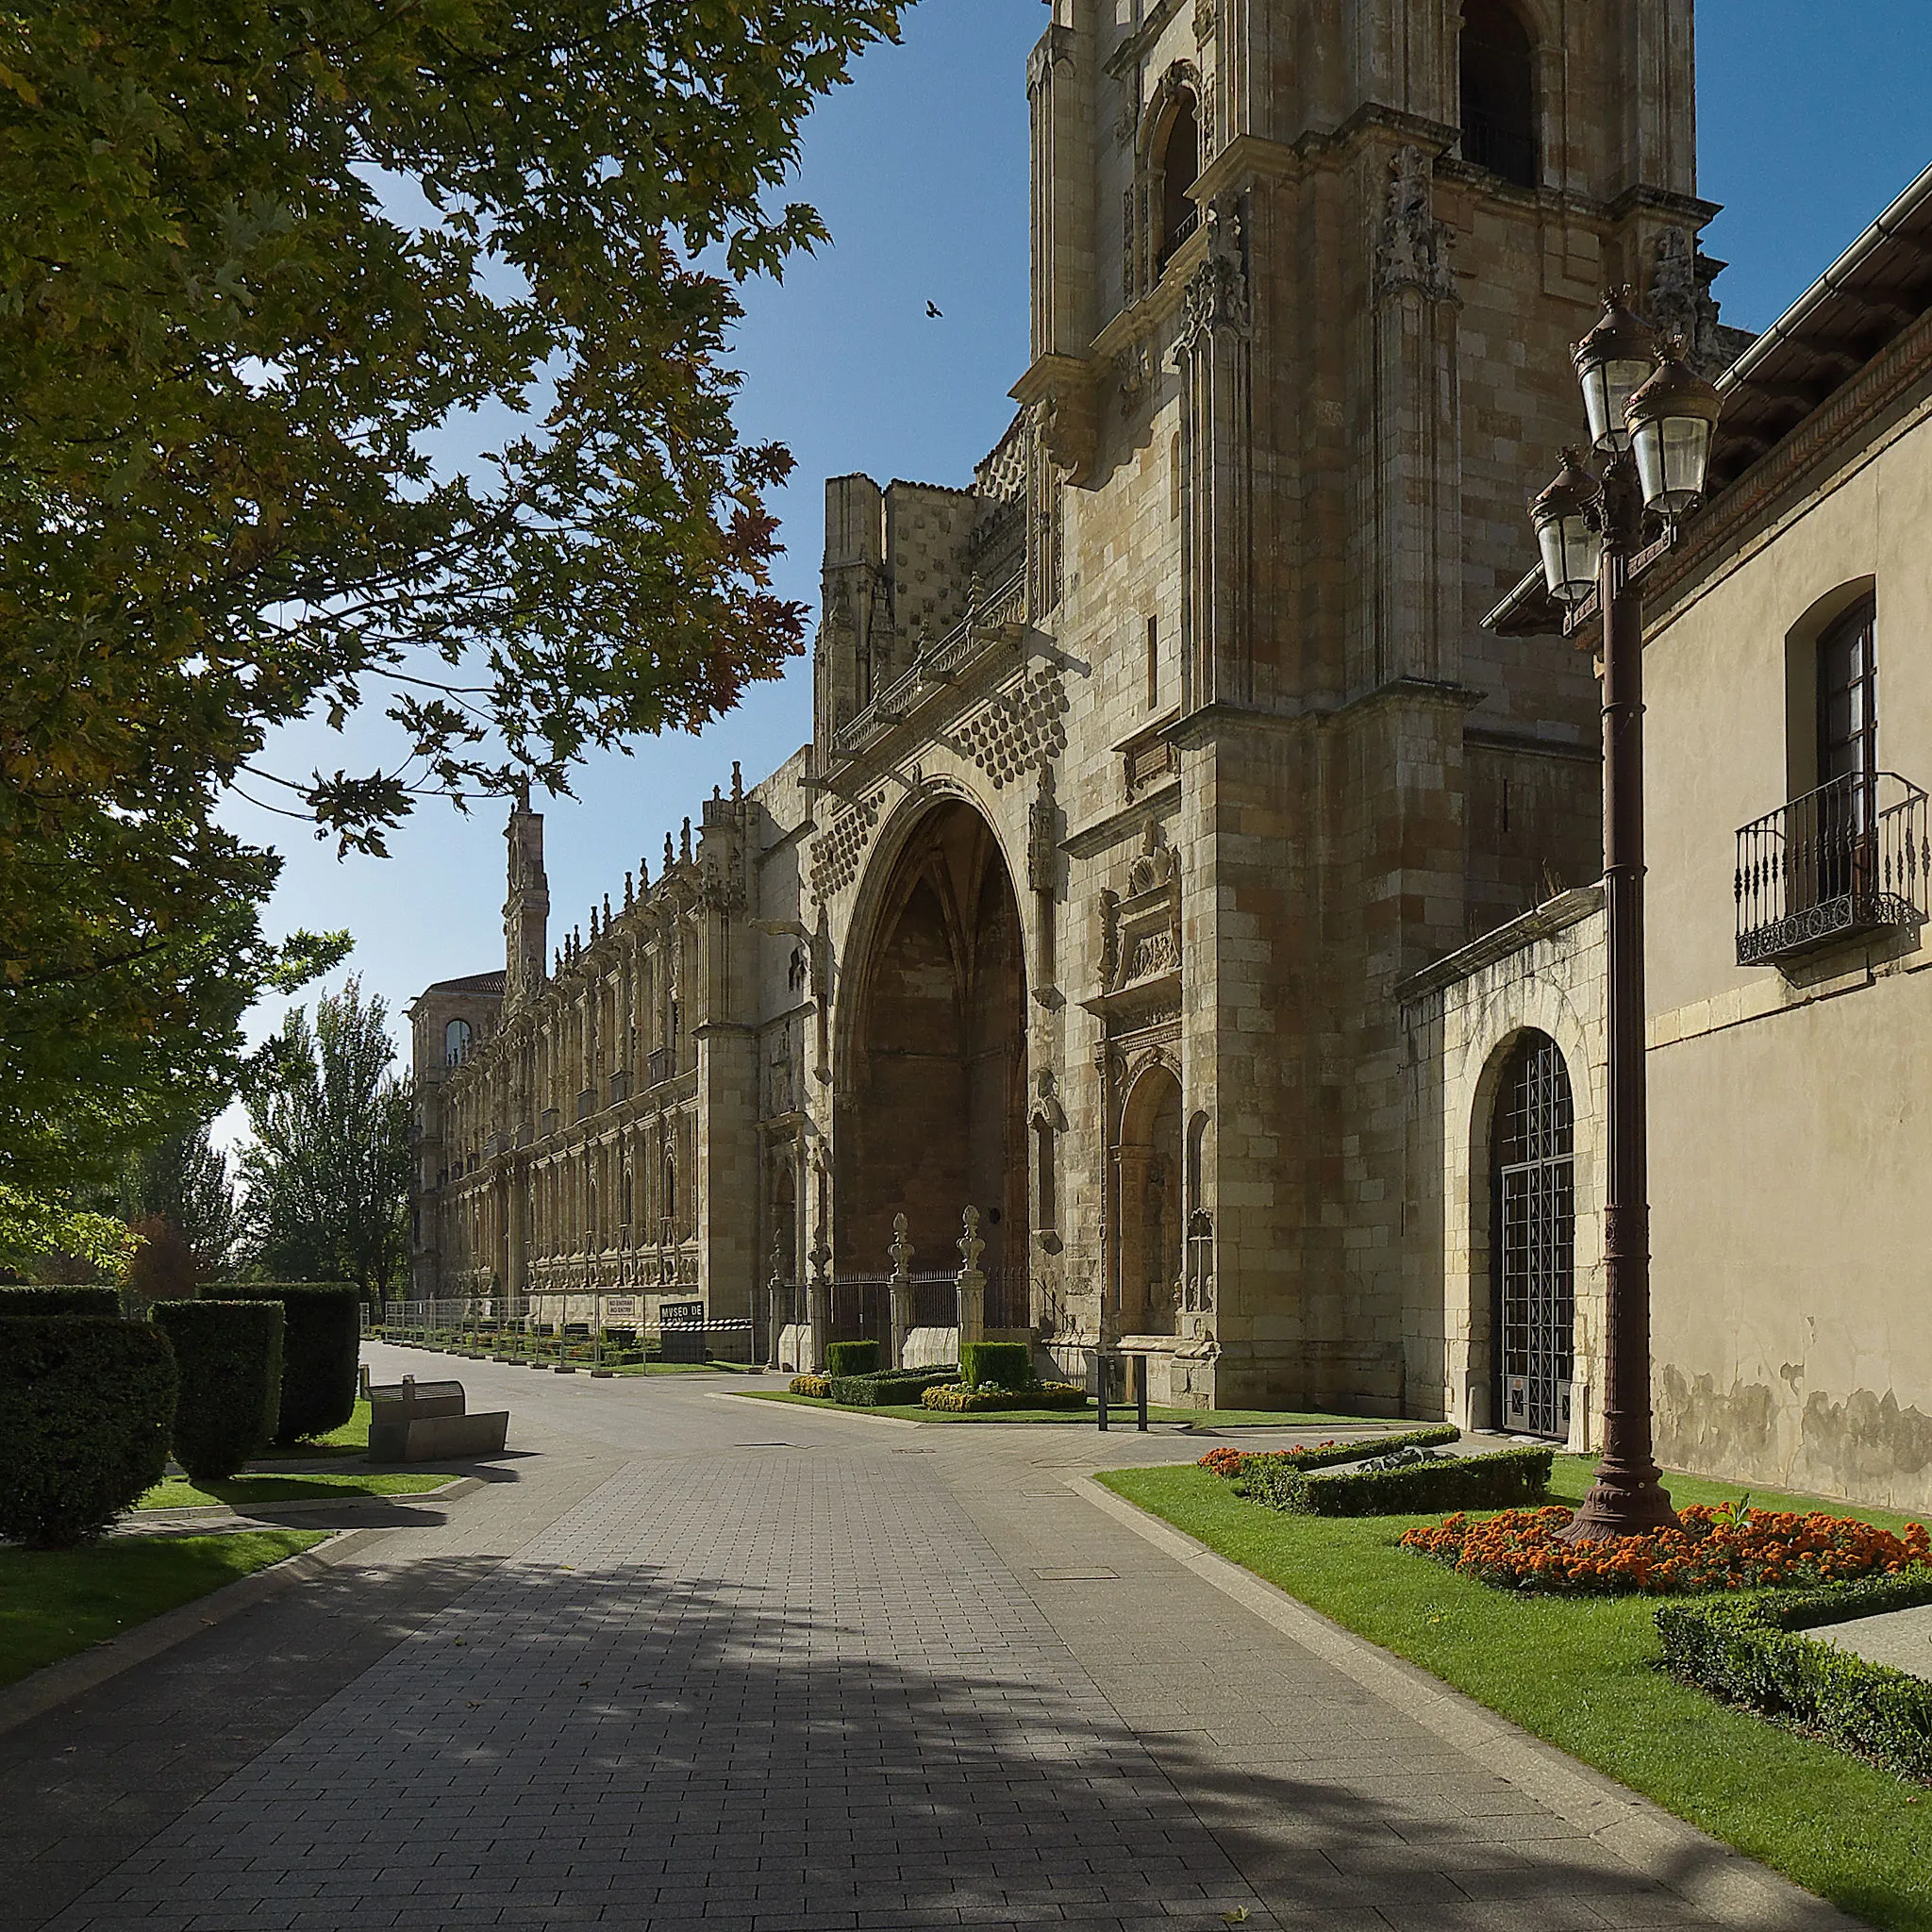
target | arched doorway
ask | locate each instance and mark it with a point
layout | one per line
(1533, 1246)
(933, 1111)
(1153, 1214)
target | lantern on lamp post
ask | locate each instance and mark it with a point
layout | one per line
(1651, 421)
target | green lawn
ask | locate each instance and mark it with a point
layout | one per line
(55, 1602)
(1584, 1676)
(351, 1439)
(1120, 1417)
(179, 1493)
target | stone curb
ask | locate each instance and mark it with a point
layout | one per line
(59, 1683)
(1734, 1889)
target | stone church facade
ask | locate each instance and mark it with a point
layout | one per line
(1150, 769)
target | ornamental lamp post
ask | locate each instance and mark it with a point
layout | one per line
(1651, 421)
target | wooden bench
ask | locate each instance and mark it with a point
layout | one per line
(424, 1421)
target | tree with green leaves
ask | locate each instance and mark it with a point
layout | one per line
(183, 1181)
(326, 1181)
(257, 254)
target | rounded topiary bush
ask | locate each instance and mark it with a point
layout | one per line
(997, 1365)
(60, 1301)
(850, 1357)
(321, 1344)
(229, 1359)
(86, 1405)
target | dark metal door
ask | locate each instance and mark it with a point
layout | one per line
(1535, 1192)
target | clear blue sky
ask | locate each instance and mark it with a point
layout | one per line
(1810, 118)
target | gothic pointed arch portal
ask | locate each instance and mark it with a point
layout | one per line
(932, 1112)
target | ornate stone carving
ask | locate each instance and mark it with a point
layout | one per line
(1134, 368)
(836, 852)
(1043, 837)
(1142, 931)
(971, 1246)
(1680, 302)
(1019, 730)
(1063, 421)
(1217, 293)
(1411, 245)
(1205, 12)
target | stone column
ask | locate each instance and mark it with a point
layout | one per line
(776, 1294)
(972, 1284)
(900, 1291)
(818, 1306)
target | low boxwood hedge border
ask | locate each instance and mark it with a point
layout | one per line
(954, 1398)
(889, 1388)
(1323, 1454)
(1464, 1482)
(1751, 1651)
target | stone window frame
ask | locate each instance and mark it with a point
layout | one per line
(1800, 642)
(1148, 257)
(1545, 75)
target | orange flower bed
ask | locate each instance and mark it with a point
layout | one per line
(1227, 1461)
(1717, 1549)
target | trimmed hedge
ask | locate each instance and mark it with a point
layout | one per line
(86, 1403)
(889, 1387)
(1322, 1455)
(321, 1344)
(851, 1358)
(1748, 1651)
(1463, 1482)
(60, 1301)
(229, 1356)
(957, 1399)
(997, 1365)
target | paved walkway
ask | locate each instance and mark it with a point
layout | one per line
(706, 1662)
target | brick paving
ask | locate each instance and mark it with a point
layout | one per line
(762, 1668)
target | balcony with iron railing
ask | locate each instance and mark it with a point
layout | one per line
(989, 618)
(1850, 858)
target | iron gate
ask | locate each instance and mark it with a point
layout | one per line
(1535, 1190)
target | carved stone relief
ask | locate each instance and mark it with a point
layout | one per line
(1217, 293)
(1680, 302)
(1140, 939)
(1411, 245)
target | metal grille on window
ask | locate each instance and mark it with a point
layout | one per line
(1535, 1192)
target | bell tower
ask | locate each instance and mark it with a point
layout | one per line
(1305, 277)
(526, 907)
